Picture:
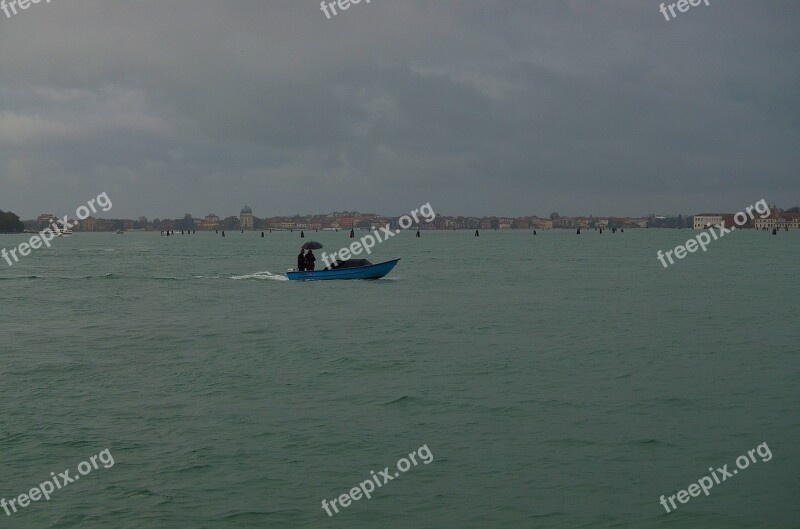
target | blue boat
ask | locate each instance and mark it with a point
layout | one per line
(351, 269)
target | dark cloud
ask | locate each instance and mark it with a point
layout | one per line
(488, 107)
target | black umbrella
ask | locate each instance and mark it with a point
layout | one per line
(311, 245)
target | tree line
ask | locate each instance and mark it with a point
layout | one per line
(10, 223)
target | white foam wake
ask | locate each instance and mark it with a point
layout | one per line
(262, 275)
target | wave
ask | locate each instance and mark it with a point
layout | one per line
(256, 275)
(261, 275)
(172, 278)
(397, 400)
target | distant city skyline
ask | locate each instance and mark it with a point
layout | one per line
(255, 214)
(345, 220)
(120, 206)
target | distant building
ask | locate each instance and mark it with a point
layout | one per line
(103, 225)
(777, 219)
(791, 220)
(46, 218)
(439, 223)
(765, 223)
(88, 224)
(246, 218)
(704, 220)
(211, 222)
(42, 221)
(581, 222)
(729, 220)
(231, 223)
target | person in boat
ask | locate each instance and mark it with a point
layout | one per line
(310, 259)
(301, 261)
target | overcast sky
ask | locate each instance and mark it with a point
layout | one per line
(478, 107)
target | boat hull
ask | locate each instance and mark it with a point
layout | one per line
(375, 271)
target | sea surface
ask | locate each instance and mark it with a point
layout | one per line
(559, 381)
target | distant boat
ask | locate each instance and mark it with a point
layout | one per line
(350, 269)
(61, 229)
(120, 232)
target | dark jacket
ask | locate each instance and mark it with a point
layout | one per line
(310, 259)
(301, 262)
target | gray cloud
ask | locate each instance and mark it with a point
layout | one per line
(486, 107)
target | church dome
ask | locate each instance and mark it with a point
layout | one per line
(247, 210)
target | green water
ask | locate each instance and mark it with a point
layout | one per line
(558, 381)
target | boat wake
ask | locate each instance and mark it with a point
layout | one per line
(262, 275)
